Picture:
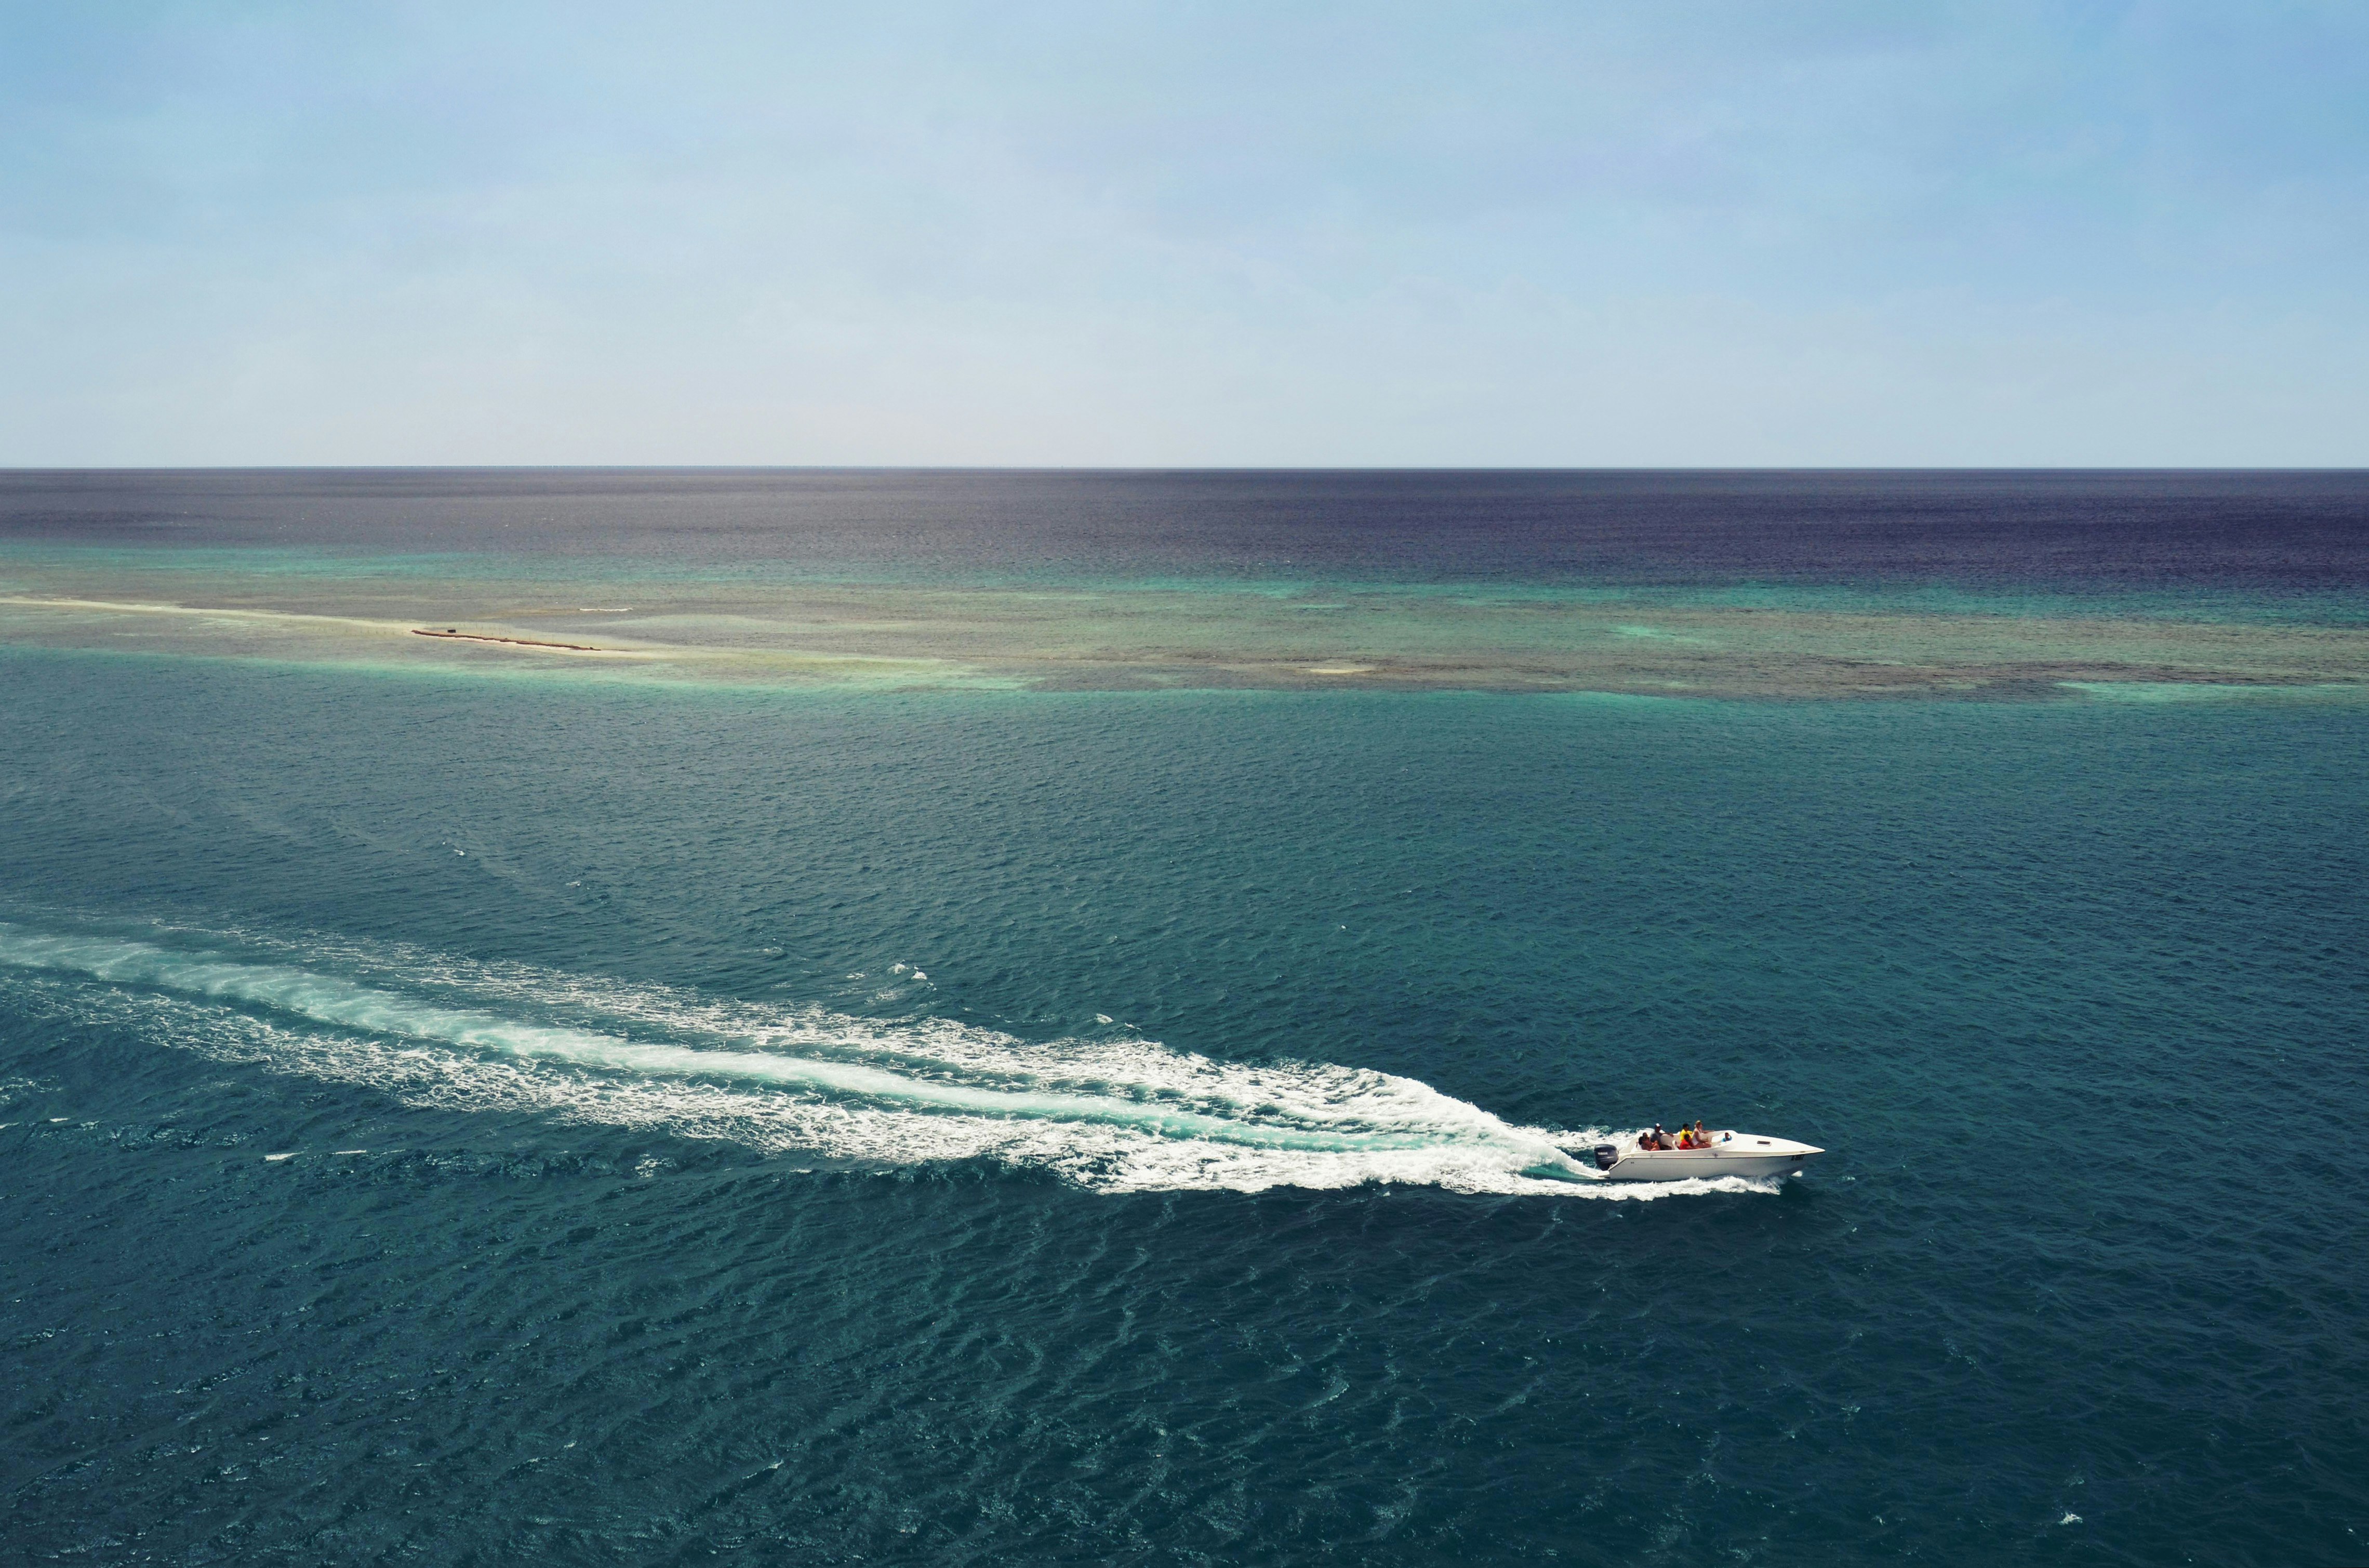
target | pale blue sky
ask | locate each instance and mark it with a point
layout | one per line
(1685, 232)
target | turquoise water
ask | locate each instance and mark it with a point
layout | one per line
(471, 1120)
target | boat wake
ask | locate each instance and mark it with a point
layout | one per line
(1114, 1114)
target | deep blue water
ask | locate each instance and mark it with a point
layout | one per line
(2198, 531)
(2073, 992)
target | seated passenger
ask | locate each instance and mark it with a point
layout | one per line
(1702, 1138)
(1685, 1137)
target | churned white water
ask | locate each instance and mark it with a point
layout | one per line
(1114, 1113)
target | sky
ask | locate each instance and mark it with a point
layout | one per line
(1678, 233)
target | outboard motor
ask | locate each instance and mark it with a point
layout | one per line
(1607, 1156)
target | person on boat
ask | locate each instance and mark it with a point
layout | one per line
(1656, 1138)
(1685, 1137)
(1702, 1138)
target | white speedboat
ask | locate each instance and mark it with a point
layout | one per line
(1728, 1153)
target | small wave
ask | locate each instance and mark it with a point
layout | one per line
(1117, 1114)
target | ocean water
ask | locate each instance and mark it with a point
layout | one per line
(1001, 1018)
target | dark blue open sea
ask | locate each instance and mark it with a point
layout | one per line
(951, 1047)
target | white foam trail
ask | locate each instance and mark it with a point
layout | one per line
(1114, 1114)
